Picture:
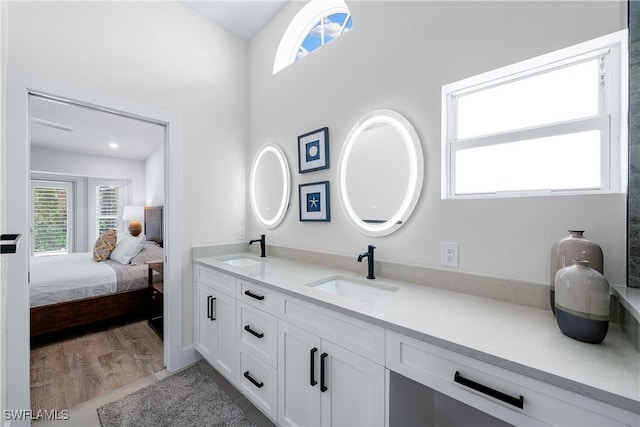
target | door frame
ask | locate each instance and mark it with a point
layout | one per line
(17, 158)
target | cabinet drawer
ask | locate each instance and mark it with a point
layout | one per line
(219, 281)
(260, 297)
(259, 383)
(491, 389)
(257, 331)
(356, 335)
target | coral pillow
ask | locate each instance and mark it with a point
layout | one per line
(105, 244)
(127, 247)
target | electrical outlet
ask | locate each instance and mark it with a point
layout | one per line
(241, 233)
(449, 254)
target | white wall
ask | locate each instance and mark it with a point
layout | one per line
(159, 54)
(154, 178)
(80, 164)
(398, 56)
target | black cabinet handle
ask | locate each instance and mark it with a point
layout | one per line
(517, 402)
(252, 295)
(323, 386)
(209, 307)
(213, 316)
(312, 367)
(252, 332)
(254, 382)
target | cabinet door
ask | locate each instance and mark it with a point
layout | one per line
(298, 377)
(205, 327)
(225, 358)
(354, 389)
(215, 330)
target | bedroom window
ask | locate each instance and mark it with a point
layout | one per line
(52, 217)
(108, 201)
(316, 24)
(546, 126)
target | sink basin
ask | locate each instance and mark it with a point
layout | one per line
(242, 262)
(368, 292)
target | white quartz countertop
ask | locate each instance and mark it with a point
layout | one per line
(518, 338)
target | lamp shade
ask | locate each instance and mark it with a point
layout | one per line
(133, 213)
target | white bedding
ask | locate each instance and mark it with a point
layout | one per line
(68, 277)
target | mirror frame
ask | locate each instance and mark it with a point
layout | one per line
(416, 171)
(286, 191)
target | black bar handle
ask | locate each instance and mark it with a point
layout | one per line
(323, 386)
(254, 382)
(312, 369)
(252, 332)
(517, 402)
(252, 295)
(211, 307)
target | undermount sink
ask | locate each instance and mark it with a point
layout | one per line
(368, 292)
(242, 262)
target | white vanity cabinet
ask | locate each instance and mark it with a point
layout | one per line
(324, 384)
(215, 322)
(513, 398)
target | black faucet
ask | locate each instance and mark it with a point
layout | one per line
(262, 244)
(369, 256)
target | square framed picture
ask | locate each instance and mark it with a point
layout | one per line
(315, 201)
(313, 151)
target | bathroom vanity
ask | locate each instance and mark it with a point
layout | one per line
(313, 345)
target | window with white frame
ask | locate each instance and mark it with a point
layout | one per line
(316, 24)
(108, 201)
(52, 217)
(555, 124)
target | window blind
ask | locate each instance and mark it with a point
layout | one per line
(107, 207)
(51, 219)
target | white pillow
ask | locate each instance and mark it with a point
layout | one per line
(127, 247)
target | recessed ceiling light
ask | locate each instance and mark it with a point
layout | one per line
(113, 145)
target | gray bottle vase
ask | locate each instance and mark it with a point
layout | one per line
(582, 302)
(564, 251)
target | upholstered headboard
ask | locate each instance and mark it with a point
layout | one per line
(153, 229)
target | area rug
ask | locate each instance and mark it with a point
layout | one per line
(188, 398)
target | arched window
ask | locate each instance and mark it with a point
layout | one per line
(317, 23)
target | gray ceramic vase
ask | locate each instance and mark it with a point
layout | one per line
(564, 251)
(582, 302)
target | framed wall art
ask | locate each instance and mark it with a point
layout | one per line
(315, 201)
(313, 151)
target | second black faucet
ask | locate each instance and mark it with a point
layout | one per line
(369, 256)
(262, 245)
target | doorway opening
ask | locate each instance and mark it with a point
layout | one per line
(90, 168)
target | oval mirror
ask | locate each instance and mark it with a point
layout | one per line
(380, 172)
(269, 186)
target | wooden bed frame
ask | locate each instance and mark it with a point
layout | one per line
(52, 319)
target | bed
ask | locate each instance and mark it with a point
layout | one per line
(74, 291)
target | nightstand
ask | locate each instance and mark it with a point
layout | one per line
(156, 292)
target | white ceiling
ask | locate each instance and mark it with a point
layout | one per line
(244, 18)
(70, 127)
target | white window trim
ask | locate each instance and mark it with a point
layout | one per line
(614, 155)
(71, 219)
(92, 222)
(300, 26)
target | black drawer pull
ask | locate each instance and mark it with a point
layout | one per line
(252, 332)
(517, 402)
(312, 369)
(254, 382)
(209, 307)
(323, 386)
(252, 295)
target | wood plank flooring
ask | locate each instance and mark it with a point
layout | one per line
(77, 369)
